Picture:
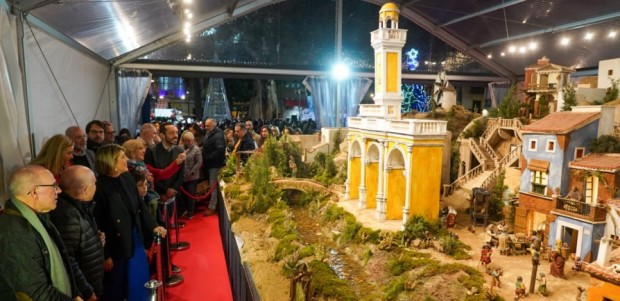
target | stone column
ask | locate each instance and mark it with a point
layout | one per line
(347, 183)
(407, 174)
(362, 188)
(380, 212)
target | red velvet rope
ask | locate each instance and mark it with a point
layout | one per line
(199, 197)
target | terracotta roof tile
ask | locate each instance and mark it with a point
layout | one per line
(561, 122)
(602, 162)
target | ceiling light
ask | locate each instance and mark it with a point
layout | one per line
(503, 53)
(533, 46)
(189, 15)
(512, 49)
(187, 1)
(565, 41)
(612, 34)
(589, 36)
(187, 25)
(524, 21)
(186, 11)
(522, 49)
(188, 39)
(186, 31)
(490, 56)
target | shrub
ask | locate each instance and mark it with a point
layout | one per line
(394, 288)
(328, 285)
(333, 213)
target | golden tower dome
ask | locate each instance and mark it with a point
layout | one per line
(389, 11)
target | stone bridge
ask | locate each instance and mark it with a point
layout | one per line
(305, 185)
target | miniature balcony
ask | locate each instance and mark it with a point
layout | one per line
(581, 210)
(388, 34)
(537, 88)
(403, 126)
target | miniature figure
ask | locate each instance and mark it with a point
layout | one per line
(489, 237)
(293, 166)
(542, 287)
(520, 288)
(495, 274)
(502, 228)
(578, 264)
(557, 265)
(485, 255)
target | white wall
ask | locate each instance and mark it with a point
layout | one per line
(604, 67)
(79, 77)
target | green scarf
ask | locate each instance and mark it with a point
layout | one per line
(60, 278)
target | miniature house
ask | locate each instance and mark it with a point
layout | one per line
(581, 222)
(394, 165)
(548, 80)
(549, 144)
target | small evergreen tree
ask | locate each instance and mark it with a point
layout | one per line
(509, 107)
(612, 93)
(570, 99)
(605, 144)
(543, 105)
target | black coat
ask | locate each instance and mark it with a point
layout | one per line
(80, 234)
(247, 144)
(160, 157)
(213, 150)
(24, 261)
(118, 209)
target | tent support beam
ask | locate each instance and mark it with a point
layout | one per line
(482, 12)
(220, 18)
(292, 72)
(563, 27)
(453, 41)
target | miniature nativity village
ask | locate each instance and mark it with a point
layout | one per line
(518, 202)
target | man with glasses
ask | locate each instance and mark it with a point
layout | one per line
(109, 133)
(95, 132)
(34, 264)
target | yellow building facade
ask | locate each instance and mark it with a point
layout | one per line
(394, 165)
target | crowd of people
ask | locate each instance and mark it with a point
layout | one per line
(83, 212)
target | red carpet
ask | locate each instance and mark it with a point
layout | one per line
(202, 265)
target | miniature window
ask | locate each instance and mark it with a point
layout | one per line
(579, 152)
(539, 182)
(591, 189)
(551, 146)
(610, 72)
(532, 145)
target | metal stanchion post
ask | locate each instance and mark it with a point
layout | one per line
(177, 245)
(170, 279)
(159, 268)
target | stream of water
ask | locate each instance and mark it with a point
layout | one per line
(343, 264)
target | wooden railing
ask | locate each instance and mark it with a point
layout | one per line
(583, 210)
(495, 123)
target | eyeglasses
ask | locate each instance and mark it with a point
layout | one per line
(55, 186)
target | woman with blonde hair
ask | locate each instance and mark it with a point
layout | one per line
(55, 155)
(122, 216)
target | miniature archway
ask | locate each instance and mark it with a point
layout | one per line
(372, 175)
(355, 168)
(396, 184)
